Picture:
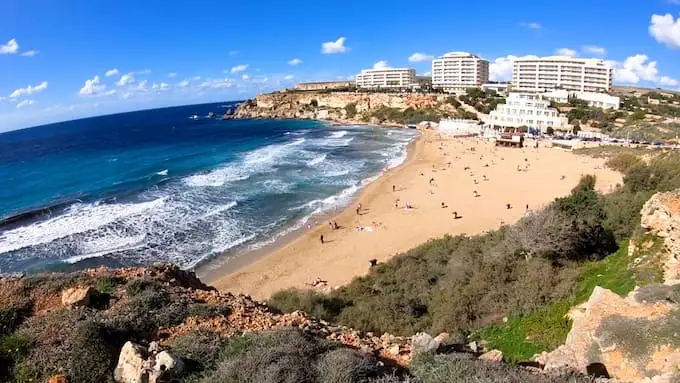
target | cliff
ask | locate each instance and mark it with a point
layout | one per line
(634, 338)
(343, 107)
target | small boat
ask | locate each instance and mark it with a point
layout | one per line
(194, 117)
(211, 115)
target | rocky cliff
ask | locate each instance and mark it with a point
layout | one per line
(335, 106)
(634, 338)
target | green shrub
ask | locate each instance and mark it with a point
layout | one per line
(13, 314)
(351, 110)
(199, 348)
(93, 353)
(313, 303)
(346, 365)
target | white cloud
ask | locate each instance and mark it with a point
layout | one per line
(183, 84)
(10, 48)
(30, 53)
(635, 69)
(127, 95)
(196, 78)
(428, 73)
(110, 92)
(141, 86)
(666, 30)
(143, 71)
(260, 79)
(531, 25)
(172, 74)
(289, 77)
(233, 53)
(161, 86)
(668, 81)
(92, 87)
(566, 52)
(245, 76)
(295, 61)
(217, 83)
(382, 64)
(420, 57)
(239, 68)
(594, 50)
(25, 103)
(111, 72)
(29, 90)
(337, 46)
(501, 68)
(126, 79)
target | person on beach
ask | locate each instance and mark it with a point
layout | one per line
(335, 225)
(394, 188)
(321, 238)
(455, 215)
(508, 206)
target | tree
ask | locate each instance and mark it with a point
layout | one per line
(550, 131)
(351, 109)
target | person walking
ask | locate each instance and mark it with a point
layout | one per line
(321, 238)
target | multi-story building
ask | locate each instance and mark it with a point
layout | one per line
(597, 100)
(386, 78)
(456, 72)
(530, 110)
(324, 85)
(560, 72)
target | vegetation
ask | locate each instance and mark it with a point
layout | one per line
(406, 116)
(531, 272)
(351, 110)
(482, 101)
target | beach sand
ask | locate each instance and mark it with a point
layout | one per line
(543, 174)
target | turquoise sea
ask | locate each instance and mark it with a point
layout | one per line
(157, 185)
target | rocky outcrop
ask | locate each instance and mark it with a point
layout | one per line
(661, 216)
(78, 296)
(634, 338)
(332, 106)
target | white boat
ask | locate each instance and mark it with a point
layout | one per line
(194, 117)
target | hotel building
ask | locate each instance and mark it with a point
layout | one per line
(597, 100)
(530, 110)
(386, 78)
(456, 72)
(560, 72)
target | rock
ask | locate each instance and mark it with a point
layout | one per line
(57, 379)
(130, 368)
(492, 356)
(473, 346)
(394, 350)
(154, 348)
(167, 368)
(443, 338)
(424, 342)
(78, 296)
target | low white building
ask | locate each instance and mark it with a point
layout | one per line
(456, 127)
(502, 88)
(386, 78)
(527, 109)
(598, 100)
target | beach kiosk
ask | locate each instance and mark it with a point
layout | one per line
(511, 139)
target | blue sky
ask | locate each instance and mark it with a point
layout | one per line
(55, 55)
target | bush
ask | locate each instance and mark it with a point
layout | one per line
(313, 303)
(351, 110)
(13, 314)
(199, 348)
(448, 368)
(346, 365)
(93, 353)
(623, 162)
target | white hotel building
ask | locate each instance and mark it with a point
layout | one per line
(530, 110)
(597, 100)
(456, 72)
(560, 72)
(386, 78)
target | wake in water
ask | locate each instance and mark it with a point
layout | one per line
(259, 194)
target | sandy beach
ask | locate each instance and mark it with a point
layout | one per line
(443, 175)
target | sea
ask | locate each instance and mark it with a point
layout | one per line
(176, 185)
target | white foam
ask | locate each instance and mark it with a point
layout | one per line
(317, 160)
(339, 134)
(77, 219)
(217, 177)
(99, 247)
(163, 172)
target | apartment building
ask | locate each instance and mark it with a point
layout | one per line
(560, 72)
(526, 109)
(597, 100)
(455, 72)
(386, 78)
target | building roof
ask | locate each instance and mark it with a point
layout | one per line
(458, 54)
(592, 61)
(385, 70)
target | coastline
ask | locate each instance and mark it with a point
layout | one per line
(388, 230)
(213, 271)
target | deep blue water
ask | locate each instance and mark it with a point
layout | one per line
(156, 185)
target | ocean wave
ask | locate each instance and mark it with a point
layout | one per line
(163, 172)
(217, 177)
(317, 160)
(339, 134)
(78, 218)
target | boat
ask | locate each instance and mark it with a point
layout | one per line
(194, 117)
(211, 115)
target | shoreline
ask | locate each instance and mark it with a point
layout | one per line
(383, 230)
(223, 265)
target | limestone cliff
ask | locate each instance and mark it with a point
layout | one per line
(634, 338)
(333, 106)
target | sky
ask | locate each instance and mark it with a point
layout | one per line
(61, 60)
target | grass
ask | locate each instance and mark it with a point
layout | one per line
(523, 336)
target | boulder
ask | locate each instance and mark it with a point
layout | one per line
(131, 365)
(78, 296)
(167, 368)
(492, 356)
(423, 342)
